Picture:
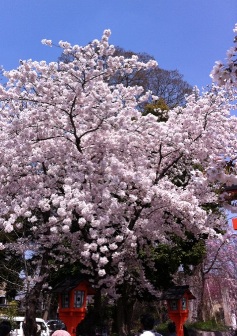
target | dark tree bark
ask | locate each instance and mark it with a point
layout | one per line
(32, 298)
(29, 325)
(124, 313)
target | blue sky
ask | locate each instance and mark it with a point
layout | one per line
(188, 35)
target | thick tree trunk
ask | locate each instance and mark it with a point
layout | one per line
(98, 318)
(93, 321)
(32, 300)
(47, 306)
(32, 297)
(201, 299)
(124, 317)
(124, 314)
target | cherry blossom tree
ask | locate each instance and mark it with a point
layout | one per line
(85, 176)
(168, 85)
(215, 279)
(220, 262)
(226, 73)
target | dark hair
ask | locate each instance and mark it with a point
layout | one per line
(5, 328)
(171, 327)
(147, 321)
(186, 333)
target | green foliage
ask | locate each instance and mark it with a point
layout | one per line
(191, 250)
(161, 265)
(162, 261)
(10, 311)
(158, 109)
(162, 328)
(68, 270)
(210, 325)
(10, 266)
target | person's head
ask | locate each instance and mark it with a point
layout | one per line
(61, 333)
(5, 328)
(147, 321)
(171, 327)
(186, 333)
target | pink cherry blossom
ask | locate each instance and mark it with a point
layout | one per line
(86, 177)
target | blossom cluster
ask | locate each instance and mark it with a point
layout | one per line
(227, 73)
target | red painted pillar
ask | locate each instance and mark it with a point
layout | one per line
(178, 313)
(234, 223)
(72, 307)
